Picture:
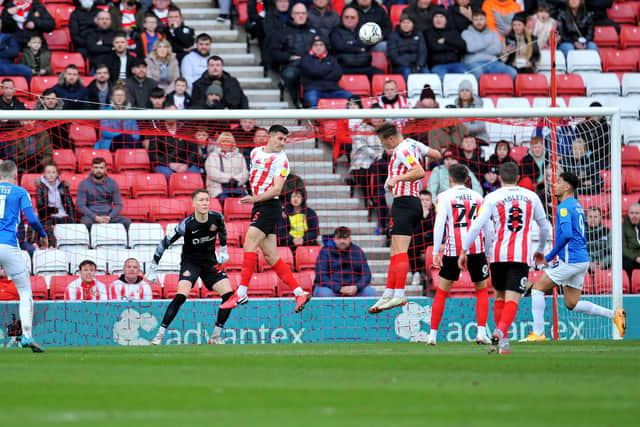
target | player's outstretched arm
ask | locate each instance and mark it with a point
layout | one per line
(563, 235)
(163, 246)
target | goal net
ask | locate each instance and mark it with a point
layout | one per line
(338, 168)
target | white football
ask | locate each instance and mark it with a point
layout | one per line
(370, 33)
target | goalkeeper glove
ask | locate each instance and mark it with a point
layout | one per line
(223, 256)
(152, 273)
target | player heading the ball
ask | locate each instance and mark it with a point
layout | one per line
(198, 259)
(572, 264)
(405, 171)
(269, 168)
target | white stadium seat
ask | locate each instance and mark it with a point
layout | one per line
(108, 235)
(581, 101)
(583, 60)
(49, 261)
(144, 255)
(487, 103)
(630, 84)
(416, 82)
(544, 64)
(170, 227)
(113, 257)
(145, 234)
(76, 256)
(71, 235)
(629, 106)
(630, 132)
(452, 82)
(545, 102)
(601, 83)
(170, 262)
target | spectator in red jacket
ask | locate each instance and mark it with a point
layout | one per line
(8, 291)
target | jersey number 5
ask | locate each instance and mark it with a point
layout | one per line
(464, 218)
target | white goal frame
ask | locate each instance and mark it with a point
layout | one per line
(612, 114)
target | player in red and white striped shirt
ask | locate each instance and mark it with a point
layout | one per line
(512, 210)
(456, 208)
(130, 286)
(86, 287)
(405, 171)
(269, 168)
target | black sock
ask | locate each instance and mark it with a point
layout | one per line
(223, 313)
(172, 310)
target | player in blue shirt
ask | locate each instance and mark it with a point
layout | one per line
(13, 201)
(572, 264)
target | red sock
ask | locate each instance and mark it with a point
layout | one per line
(438, 307)
(248, 267)
(498, 306)
(391, 274)
(402, 269)
(284, 272)
(482, 306)
(508, 315)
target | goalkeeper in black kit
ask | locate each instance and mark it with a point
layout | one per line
(198, 259)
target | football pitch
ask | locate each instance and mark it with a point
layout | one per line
(400, 384)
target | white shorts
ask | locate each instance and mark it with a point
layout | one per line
(13, 262)
(565, 274)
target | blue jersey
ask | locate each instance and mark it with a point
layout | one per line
(13, 200)
(570, 240)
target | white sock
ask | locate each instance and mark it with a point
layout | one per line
(433, 334)
(162, 330)
(388, 293)
(537, 308)
(587, 307)
(217, 330)
(26, 309)
(482, 331)
(398, 293)
(298, 291)
(242, 291)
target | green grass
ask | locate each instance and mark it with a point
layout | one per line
(550, 384)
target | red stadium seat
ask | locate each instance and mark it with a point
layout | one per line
(125, 182)
(57, 286)
(156, 290)
(395, 13)
(605, 37)
(22, 87)
(60, 60)
(135, 209)
(243, 14)
(378, 81)
(606, 177)
(171, 287)
(379, 60)
(622, 13)
(518, 152)
(63, 14)
(329, 127)
(214, 204)
(41, 83)
(570, 85)
(602, 282)
(463, 286)
(39, 288)
(532, 85)
(166, 209)
(183, 184)
(534, 275)
(65, 159)
(629, 200)
(30, 182)
(595, 200)
(86, 155)
(285, 255)
(620, 61)
(629, 37)
(132, 159)
(81, 135)
(306, 257)
(357, 84)
(236, 256)
(233, 209)
(263, 284)
(58, 39)
(635, 281)
(305, 280)
(630, 155)
(149, 184)
(496, 85)
(631, 179)
(236, 230)
(73, 180)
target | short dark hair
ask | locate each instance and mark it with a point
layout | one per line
(174, 8)
(87, 262)
(180, 79)
(150, 15)
(509, 172)
(101, 66)
(120, 34)
(48, 91)
(425, 192)
(48, 164)
(342, 232)
(478, 12)
(570, 179)
(278, 129)
(35, 36)
(7, 81)
(595, 208)
(198, 191)
(215, 58)
(98, 160)
(71, 67)
(458, 173)
(203, 36)
(157, 92)
(387, 129)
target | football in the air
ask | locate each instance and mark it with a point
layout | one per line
(370, 33)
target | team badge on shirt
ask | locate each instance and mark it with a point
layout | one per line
(213, 227)
(564, 212)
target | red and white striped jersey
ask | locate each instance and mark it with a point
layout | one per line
(77, 291)
(405, 155)
(121, 291)
(511, 210)
(456, 208)
(265, 167)
(401, 103)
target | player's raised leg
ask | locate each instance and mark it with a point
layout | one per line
(184, 287)
(252, 241)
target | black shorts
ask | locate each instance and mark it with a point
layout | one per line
(476, 263)
(406, 214)
(509, 276)
(209, 272)
(266, 215)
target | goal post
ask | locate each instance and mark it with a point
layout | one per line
(514, 125)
